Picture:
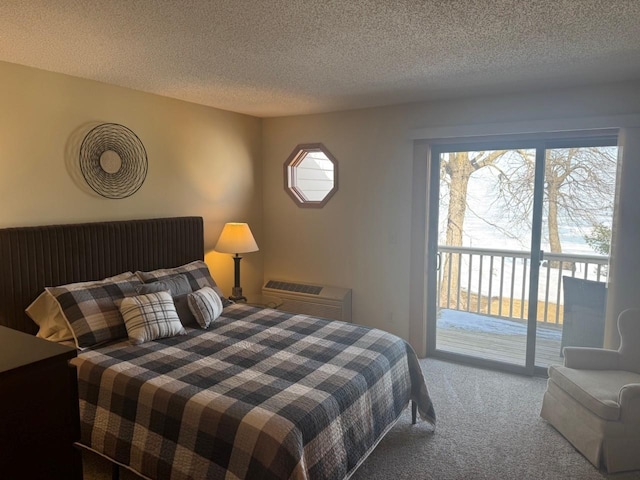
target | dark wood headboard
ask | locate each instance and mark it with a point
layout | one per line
(32, 258)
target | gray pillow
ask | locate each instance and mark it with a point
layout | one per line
(197, 274)
(179, 287)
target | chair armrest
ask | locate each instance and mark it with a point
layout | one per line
(629, 401)
(585, 358)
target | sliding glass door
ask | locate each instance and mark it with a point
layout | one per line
(505, 222)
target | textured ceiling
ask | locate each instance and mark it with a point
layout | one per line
(284, 57)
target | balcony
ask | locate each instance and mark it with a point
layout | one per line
(484, 299)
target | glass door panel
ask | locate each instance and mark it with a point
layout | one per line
(484, 253)
(577, 216)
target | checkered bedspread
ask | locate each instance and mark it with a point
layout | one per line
(262, 394)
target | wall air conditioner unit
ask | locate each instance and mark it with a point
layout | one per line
(317, 300)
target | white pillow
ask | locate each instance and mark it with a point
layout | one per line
(150, 316)
(45, 312)
(206, 305)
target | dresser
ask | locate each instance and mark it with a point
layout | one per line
(39, 418)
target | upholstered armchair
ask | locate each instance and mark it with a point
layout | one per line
(594, 399)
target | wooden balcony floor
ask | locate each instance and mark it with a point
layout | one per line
(493, 345)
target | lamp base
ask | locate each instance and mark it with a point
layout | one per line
(236, 295)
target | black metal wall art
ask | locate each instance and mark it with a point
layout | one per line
(113, 160)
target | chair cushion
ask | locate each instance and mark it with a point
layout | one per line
(596, 390)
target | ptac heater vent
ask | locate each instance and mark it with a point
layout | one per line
(294, 287)
(317, 300)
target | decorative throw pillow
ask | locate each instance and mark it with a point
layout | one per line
(45, 312)
(149, 317)
(197, 274)
(91, 311)
(178, 286)
(206, 305)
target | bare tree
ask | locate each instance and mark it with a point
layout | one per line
(456, 169)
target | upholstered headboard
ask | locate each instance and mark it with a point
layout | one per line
(32, 258)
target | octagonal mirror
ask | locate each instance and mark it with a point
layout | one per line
(311, 175)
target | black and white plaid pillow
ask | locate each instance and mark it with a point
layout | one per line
(149, 317)
(197, 274)
(91, 311)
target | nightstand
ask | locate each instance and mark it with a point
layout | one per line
(39, 417)
(264, 301)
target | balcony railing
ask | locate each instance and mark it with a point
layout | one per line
(496, 282)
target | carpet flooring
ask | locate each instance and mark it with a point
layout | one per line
(488, 428)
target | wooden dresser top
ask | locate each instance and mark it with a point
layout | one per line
(18, 349)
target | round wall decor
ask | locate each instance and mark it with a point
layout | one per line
(113, 160)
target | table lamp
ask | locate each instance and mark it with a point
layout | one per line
(236, 238)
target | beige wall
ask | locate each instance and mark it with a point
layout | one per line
(362, 238)
(202, 161)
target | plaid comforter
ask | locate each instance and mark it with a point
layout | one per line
(261, 394)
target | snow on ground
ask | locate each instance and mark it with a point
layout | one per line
(472, 322)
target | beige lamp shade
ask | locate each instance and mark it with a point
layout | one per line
(236, 238)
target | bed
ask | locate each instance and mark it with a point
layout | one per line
(260, 393)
